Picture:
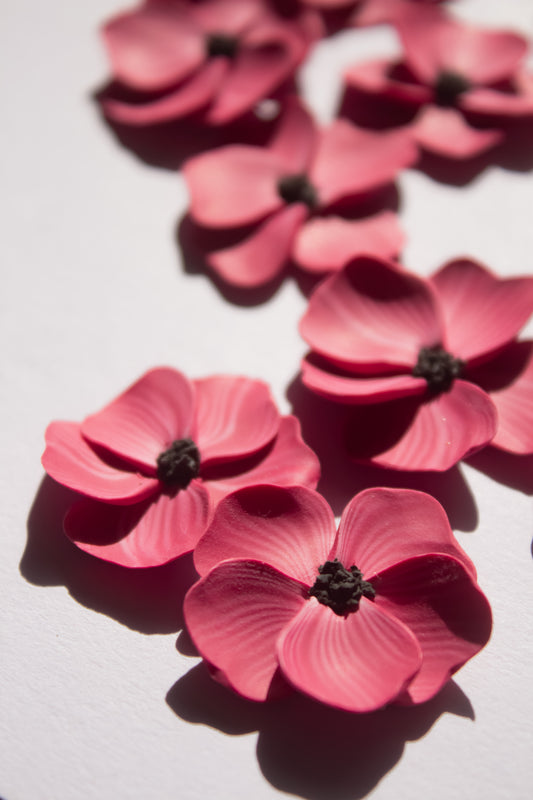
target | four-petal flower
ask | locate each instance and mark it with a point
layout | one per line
(385, 610)
(437, 360)
(154, 462)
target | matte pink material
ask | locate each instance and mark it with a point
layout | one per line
(358, 663)
(326, 244)
(512, 394)
(429, 594)
(295, 138)
(502, 104)
(482, 312)
(233, 185)
(353, 390)
(288, 461)
(377, 12)
(71, 461)
(235, 416)
(374, 77)
(444, 430)
(140, 535)
(292, 531)
(445, 132)
(371, 315)
(382, 527)
(235, 616)
(260, 257)
(145, 419)
(351, 160)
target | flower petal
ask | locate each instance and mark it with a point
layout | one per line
(439, 601)
(382, 527)
(351, 161)
(502, 104)
(433, 435)
(142, 535)
(445, 132)
(190, 96)
(235, 416)
(235, 615)
(508, 379)
(145, 419)
(374, 77)
(354, 390)
(268, 55)
(233, 186)
(434, 41)
(69, 460)
(482, 312)
(295, 137)
(261, 257)
(288, 461)
(155, 46)
(291, 529)
(326, 244)
(226, 16)
(358, 663)
(373, 315)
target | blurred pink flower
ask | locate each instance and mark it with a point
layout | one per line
(454, 79)
(218, 57)
(385, 610)
(436, 361)
(155, 462)
(291, 194)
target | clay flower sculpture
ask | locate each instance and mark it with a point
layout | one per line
(291, 194)
(460, 85)
(435, 361)
(385, 610)
(172, 58)
(155, 462)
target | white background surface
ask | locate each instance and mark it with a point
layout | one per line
(94, 293)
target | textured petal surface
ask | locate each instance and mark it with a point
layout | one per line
(261, 257)
(233, 186)
(482, 312)
(142, 535)
(434, 41)
(235, 615)
(382, 527)
(190, 96)
(154, 46)
(353, 390)
(351, 161)
(70, 460)
(268, 55)
(508, 379)
(441, 604)
(288, 461)
(371, 314)
(292, 529)
(438, 433)
(358, 663)
(235, 416)
(145, 419)
(326, 244)
(445, 132)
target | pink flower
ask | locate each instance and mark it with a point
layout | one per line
(155, 462)
(436, 360)
(290, 194)
(385, 610)
(454, 77)
(218, 57)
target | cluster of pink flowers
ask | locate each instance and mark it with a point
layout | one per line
(386, 607)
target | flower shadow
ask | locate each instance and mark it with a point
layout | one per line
(514, 471)
(146, 600)
(324, 425)
(310, 750)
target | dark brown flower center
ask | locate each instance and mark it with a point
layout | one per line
(179, 464)
(438, 367)
(297, 189)
(222, 44)
(448, 86)
(339, 588)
